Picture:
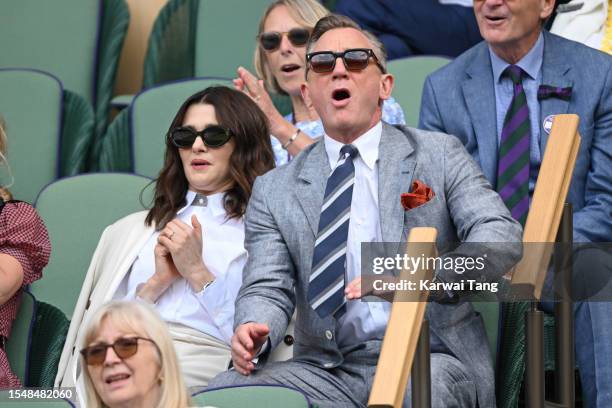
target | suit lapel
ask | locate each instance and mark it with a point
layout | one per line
(555, 72)
(311, 184)
(396, 165)
(479, 96)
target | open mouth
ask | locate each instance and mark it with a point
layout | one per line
(341, 94)
(200, 162)
(116, 377)
(494, 18)
(290, 68)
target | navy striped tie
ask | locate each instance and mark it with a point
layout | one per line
(327, 277)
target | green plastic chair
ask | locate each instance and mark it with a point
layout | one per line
(410, 74)
(76, 210)
(79, 41)
(48, 130)
(18, 343)
(135, 141)
(252, 396)
(192, 38)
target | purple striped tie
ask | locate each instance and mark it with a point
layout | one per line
(513, 167)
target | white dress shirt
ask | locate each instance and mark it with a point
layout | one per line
(210, 311)
(362, 320)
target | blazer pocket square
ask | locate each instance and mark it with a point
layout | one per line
(419, 195)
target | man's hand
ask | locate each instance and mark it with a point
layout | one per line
(246, 343)
(354, 289)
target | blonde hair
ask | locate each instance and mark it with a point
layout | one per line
(306, 13)
(141, 319)
(5, 195)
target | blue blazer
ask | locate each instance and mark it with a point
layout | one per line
(459, 99)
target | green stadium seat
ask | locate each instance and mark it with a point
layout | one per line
(78, 41)
(135, 141)
(76, 210)
(410, 74)
(253, 396)
(18, 343)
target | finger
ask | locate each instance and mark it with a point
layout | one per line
(246, 342)
(167, 242)
(197, 227)
(249, 81)
(180, 226)
(238, 84)
(260, 330)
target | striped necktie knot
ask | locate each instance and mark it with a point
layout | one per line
(515, 73)
(349, 150)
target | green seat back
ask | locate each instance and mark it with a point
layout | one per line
(225, 36)
(31, 104)
(7, 402)
(76, 210)
(410, 74)
(490, 315)
(58, 36)
(18, 343)
(151, 113)
(252, 396)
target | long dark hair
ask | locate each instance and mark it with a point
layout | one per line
(252, 155)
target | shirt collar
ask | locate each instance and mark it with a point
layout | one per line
(530, 63)
(215, 202)
(367, 144)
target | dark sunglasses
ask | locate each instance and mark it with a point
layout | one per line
(271, 40)
(355, 59)
(124, 347)
(212, 136)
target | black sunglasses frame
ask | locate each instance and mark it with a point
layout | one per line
(342, 55)
(279, 38)
(204, 134)
(114, 345)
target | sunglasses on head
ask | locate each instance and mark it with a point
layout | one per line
(354, 59)
(271, 40)
(124, 347)
(212, 136)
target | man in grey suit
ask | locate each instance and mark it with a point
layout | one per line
(469, 98)
(338, 338)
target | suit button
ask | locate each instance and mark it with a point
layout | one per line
(288, 340)
(329, 335)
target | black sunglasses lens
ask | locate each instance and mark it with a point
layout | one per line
(215, 136)
(270, 41)
(323, 62)
(183, 137)
(356, 60)
(299, 36)
(125, 348)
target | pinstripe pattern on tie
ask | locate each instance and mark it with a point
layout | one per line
(513, 167)
(327, 277)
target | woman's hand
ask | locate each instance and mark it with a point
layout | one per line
(165, 274)
(249, 84)
(184, 243)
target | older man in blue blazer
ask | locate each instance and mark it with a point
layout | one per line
(478, 99)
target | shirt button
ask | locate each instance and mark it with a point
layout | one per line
(329, 335)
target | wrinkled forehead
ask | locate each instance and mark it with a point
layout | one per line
(340, 39)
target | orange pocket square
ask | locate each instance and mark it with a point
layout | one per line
(420, 194)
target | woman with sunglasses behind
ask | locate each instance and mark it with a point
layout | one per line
(280, 61)
(24, 252)
(186, 254)
(129, 360)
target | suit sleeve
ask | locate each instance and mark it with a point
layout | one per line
(429, 116)
(267, 292)
(593, 222)
(484, 225)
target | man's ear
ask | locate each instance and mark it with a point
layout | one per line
(306, 94)
(547, 7)
(386, 86)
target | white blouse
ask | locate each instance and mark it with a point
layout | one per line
(210, 311)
